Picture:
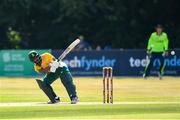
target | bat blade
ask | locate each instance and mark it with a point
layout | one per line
(69, 49)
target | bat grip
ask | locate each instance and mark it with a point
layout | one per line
(58, 60)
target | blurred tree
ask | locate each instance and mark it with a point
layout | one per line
(14, 38)
(118, 23)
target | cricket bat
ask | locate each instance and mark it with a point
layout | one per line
(69, 49)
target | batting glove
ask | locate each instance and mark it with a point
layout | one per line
(53, 66)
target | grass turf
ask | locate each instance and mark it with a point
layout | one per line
(90, 89)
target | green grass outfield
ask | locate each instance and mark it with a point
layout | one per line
(135, 98)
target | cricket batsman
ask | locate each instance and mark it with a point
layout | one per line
(157, 49)
(49, 65)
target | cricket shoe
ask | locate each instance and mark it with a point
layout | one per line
(74, 100)
(56, 100)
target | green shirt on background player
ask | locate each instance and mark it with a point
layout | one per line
(158, 43)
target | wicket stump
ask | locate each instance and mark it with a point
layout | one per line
(107, 85)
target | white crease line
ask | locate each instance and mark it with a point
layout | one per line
(79, 103)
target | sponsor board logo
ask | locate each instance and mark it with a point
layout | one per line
(169, 62)
(88, 63)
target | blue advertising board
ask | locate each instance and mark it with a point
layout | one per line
(124, 62)
(89, 63)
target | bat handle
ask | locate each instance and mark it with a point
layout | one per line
(58, 60)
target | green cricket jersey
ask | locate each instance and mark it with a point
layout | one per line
(158, 43)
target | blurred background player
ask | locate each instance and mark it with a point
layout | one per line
(157, 49)
(47, 64)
